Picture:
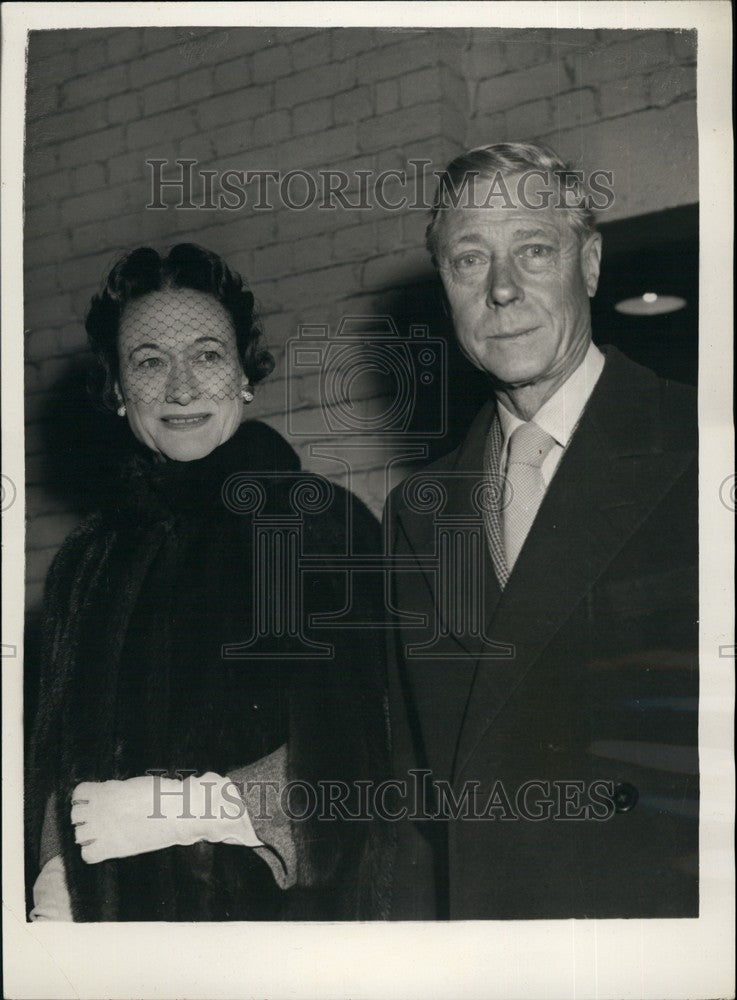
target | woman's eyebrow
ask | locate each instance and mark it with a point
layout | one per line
(145, 347)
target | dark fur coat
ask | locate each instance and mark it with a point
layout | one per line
(139, 603)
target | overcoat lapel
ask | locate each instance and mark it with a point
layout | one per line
(612, 475)
(458, 484)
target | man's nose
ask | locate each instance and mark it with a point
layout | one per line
(182, 385)
(504, 287)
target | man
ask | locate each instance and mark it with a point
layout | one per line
(545, 679)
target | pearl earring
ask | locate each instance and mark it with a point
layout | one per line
(246, 394)
(121, 411)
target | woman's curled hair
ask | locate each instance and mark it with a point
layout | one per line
(186, 265)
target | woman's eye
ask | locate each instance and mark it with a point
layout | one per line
(210, 356)
(150, 363)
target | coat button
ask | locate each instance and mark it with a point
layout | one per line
(624, 797)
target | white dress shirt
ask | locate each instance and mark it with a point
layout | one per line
(560, 414)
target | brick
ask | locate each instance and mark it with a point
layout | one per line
(272, 127)
(197, 86)
(124, 45)
(622, 59)
(400, 126)
(310, 253)
(160, 66)
(38, 561)
(275, 261)
(485, 129)
(42, 101)
(413, 52)
(128, 167)
(420, 87)
(394, 269)
(86, 238)
(50, 530)
(620, 97)
(93, 55)
(40, 160)
(387, 96)
(88, 177)
(684, 45)
(322, 81)
(352, 105)
(306, 151)
(311, 51)
(235, 107)
(271, 63)
(88, 147)
(324, 286)
(154, 39)
(55, 69)
(95, 86)
(45, 310)
(346, 42)
(672, 84)
(123, 108)
(232, 75)
(529, 121)
(45, 248)
(42, 220)
(485, 56)
(574, 108)
(511, 89)
(91, 118)
(531, 49)
(44, 43)
(159, 97)
(312, 117)
(45, 189)
(41, 343)
(150, 133)
(355, 243)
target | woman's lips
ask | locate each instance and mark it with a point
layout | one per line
(186, 423)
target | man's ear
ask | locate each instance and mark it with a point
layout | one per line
(591, 262)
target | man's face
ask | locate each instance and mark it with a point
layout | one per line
(518, 281)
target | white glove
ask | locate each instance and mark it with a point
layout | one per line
(118, 819)
(50, 894)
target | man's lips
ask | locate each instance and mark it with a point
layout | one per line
(512, 334)
(185, 422)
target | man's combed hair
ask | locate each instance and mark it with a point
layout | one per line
(144, 270)
(507, 158)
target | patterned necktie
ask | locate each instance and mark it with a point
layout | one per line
(528, 448)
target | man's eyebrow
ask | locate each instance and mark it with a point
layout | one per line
(527, 234)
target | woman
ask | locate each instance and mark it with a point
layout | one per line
(142, 601)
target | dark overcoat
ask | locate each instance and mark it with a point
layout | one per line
(562, 711)
(188, 629)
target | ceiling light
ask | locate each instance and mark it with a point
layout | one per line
(650, 304)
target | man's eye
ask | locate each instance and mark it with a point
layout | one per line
(468, 260)
(536, 251)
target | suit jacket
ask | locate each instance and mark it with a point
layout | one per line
(558, 717)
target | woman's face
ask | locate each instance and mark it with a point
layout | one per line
(180, 375)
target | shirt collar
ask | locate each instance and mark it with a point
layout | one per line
(560, 414)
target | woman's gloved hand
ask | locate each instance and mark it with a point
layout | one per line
(119, 819)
